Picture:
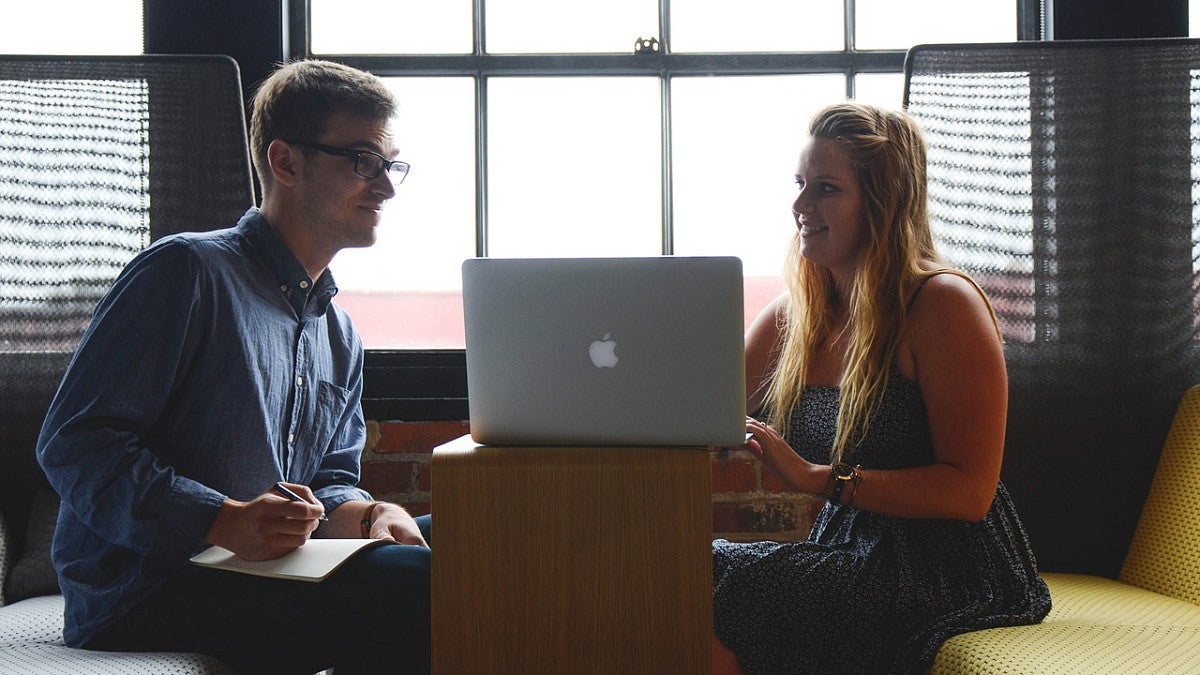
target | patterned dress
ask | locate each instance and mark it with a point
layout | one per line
(869, 593)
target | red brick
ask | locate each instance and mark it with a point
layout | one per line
(419, 437)
(424, 477)
(725, 518)
(770, 517)
(387, 477)
(733, 475)
(416, 508)
(814, 507)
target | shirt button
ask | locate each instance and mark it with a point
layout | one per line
(283, 289)
(291, 437)
(303, 284)
(300, 381)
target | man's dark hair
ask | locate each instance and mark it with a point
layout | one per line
(296, 101)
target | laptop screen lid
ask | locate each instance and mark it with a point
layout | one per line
(605, 351)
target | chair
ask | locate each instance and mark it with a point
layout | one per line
(1062, 176)
(1147, 620)
(99, 156)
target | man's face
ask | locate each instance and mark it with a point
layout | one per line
(342, 207)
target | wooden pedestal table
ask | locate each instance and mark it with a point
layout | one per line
(571, 560)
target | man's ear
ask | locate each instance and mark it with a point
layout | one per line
(286, 162)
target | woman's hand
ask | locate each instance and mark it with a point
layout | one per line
(779, 457)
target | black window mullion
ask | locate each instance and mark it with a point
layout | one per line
(543, 65)
(431, 385)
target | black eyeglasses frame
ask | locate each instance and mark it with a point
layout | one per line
(385, 164)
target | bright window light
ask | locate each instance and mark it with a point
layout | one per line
(75, 27)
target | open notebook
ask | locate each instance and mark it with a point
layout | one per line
(313, 561)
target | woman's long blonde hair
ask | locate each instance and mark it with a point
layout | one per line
(888, 153)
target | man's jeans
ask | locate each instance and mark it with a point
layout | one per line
(370, 616)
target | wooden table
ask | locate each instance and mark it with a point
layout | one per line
(571, 560)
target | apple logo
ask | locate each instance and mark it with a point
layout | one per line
(603, 352)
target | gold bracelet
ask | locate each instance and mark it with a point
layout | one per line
(854, 485)
(365, 524)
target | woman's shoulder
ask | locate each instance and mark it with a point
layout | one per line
(947, 298)
(945, 287)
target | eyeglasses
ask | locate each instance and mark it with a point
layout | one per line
(366, 163)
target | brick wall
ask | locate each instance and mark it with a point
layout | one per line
(749, 503)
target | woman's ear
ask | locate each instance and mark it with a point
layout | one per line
(286, 162)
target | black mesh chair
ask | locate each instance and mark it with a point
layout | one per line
(1063, 176)
(98, 157)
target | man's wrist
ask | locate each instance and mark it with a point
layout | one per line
(364, 524)
(218, 532)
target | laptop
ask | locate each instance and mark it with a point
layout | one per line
(605, 351)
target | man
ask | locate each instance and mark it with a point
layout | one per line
(217, 366)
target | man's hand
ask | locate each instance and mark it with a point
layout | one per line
(266, 527)
(391, 521)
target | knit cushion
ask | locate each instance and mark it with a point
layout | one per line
(1164, 555)
(31, 643)
(1080, 598)
(32, 573)
(1096, 625)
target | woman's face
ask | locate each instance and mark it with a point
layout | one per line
(830, 210)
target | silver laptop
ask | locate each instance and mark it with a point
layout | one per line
(605, 351)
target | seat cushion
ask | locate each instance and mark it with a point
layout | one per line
(31, 643)
(34, 621)
(1095, 625)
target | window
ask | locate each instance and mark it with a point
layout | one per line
(47, 293)
(70, 27)
(553, 137)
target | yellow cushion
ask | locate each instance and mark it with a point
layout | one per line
(1079, 598)
(1148, 621)
(1164, 555)
(1096, 625)
(1073, 648)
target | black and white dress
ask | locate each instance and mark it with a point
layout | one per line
(870, 593)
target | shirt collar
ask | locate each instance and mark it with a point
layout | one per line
(290, 276)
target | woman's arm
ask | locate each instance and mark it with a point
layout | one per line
(953, 351)
(762, 349)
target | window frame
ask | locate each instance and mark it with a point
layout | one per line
(430, 385)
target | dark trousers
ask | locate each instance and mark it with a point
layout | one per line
(370, 616)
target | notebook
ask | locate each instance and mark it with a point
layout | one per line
(605, 351)
(314, 561)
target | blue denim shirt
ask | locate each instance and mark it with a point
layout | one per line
(212, 368)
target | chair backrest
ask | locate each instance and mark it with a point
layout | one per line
(1061, 177)
(1165, 554)
(99, 156)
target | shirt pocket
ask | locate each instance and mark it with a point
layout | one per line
(324, 418)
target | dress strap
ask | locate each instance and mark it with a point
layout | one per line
(913, 298)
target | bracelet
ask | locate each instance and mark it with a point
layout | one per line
(854, 485)
(365, 523)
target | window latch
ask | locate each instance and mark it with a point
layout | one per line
(646, 46)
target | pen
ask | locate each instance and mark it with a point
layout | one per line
(283, 490)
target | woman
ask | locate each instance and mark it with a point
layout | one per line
(881, 380)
